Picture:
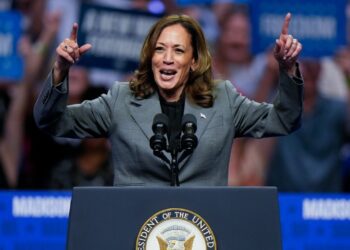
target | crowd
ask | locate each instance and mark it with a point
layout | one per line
(313, 159)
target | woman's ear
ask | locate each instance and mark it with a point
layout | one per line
(193, 65)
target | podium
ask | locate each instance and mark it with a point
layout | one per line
(152, 218)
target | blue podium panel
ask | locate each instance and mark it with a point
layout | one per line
(120, 218)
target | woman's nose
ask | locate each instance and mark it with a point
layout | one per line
(168, 57)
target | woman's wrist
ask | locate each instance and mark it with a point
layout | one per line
(58, 74)
(291, 71)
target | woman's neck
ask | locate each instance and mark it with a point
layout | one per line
(171, 95)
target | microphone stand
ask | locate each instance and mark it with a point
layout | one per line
(174, 168)
(174, 162)
(187, 143)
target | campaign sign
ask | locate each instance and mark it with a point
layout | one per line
(196, 2)
(11, 65)
(320, 25)
(34, 220)
(315, 221)
(193, 2)
(116, 36)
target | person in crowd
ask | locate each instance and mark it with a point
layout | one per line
(91, 167)
(233, 59)
(309, 160)
(12, 128)
(334, 83)
(8, 172)
(44, 151)
(255, 76)
(335, 74)
(174, 78)
(28, 155)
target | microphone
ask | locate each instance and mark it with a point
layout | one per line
(189, 140)
(160, 128)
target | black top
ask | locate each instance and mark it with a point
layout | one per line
(174, 111)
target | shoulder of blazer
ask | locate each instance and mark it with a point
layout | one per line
(226, 94)
(224, 87)
(119, 89)
(120, 86)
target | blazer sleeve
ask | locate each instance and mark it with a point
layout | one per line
(283, 116)
(88, 119)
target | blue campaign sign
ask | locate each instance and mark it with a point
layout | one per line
(196, 2)
(11, 65)
(116, 36)
(320, 25)
(34, 220)
(315, 221)
(193, 2)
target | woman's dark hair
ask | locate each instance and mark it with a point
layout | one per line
(199, 86)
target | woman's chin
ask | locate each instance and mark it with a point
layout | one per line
(170, 93)
(167, 86)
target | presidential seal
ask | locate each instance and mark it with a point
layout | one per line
(175, 229)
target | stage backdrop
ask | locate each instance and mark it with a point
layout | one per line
(38, 220)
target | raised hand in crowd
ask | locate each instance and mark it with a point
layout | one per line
(287, 48)
(34, 55)
(68, 52)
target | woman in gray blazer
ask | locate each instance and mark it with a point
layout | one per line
(174, 78)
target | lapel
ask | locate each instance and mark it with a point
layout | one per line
(143, 112)
(203, 116)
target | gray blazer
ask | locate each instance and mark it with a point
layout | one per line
(127, 122)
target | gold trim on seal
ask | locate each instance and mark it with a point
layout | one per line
(188, 242)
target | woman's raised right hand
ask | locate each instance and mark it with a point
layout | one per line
(67, 53)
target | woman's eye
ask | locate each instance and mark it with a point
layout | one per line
(159, 49)
(179, 51)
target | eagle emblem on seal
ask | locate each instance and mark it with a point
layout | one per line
(175, 238)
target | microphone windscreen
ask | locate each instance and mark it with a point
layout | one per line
(189, 119)
(161, 119)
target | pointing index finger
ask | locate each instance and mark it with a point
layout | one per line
(286, 24)
(74, 32)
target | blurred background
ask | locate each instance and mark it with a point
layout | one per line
(311, 167)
